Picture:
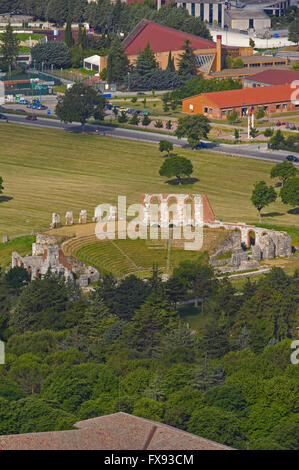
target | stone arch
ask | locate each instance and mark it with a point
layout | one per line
(189, 202)
(173, 213)
(155, 216)
(251, 238)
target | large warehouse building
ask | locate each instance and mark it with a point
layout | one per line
(217, 105)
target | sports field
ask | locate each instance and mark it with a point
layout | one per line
(47, 171)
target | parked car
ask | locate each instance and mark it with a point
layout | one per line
(31, 117)
(2, 116)
(41, 106)
(140, 93)
(201, 145)
(292, 158)
(23, 102)
(19, 110)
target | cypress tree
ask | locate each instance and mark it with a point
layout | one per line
(68, 36)
(170, 65)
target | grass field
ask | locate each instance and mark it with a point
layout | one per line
(47, 171)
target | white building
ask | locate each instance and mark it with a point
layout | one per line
(94, 63)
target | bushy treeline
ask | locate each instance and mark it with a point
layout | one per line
(108, 18)
(125, 347)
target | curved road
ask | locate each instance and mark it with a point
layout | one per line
(254, 151)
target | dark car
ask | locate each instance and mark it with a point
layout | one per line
(140, 93)
(2, 116)
(42, 106)
(292, 158)
(31, 117)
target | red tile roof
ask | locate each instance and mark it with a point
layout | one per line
(275, 76)
(249, 96)
(119, 431)
(161, 39)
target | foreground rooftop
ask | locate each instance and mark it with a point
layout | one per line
(119, 431)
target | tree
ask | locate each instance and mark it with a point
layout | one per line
(194, 128)
(294, 31)
(187, 61)
(134, 120)
(118, 62)
(262, 196)
(251, 43)
(238, 63)
(17, 277)
(253, 132)
(146, 121)
(146, 61)
(170, 65)
(9, 48)
(277, 141)
(79, 103)
(165, 146)
(176, 166)
(237, 134)
(52, 53)
(68, 35)
(283, 171)
(41, 305)
(268, 132)
(232, 116)
(289, 193)
(198, 277)
(217, 425)
(260, 114)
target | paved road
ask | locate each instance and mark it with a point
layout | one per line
(254, 151)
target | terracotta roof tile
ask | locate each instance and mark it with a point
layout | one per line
(248, 96)
(119, 431)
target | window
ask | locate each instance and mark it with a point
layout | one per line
(202, 5)
(184, 5)
(250, 23)
(193, 9)
(285, 106)
(210, 110)
(219, 14)
(278, 106)
(191, 107)
(205, 109)
(265, 108)
(223, 112)
(210, 13)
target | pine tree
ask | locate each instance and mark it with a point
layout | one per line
(96, 320)
(9, 47)
(118, 62)
(187, 63)
(146, 61)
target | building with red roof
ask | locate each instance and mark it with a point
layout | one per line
(210, 56)
(217, 105)
(119, 431)
(271, 77)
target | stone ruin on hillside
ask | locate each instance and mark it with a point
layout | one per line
(245, 246)
(47, 255)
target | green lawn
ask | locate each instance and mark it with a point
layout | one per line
(47, 171)
(22, 245)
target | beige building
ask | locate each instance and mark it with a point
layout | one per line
(247, 20)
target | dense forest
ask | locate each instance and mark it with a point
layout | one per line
(105, 17)
(125, 347)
